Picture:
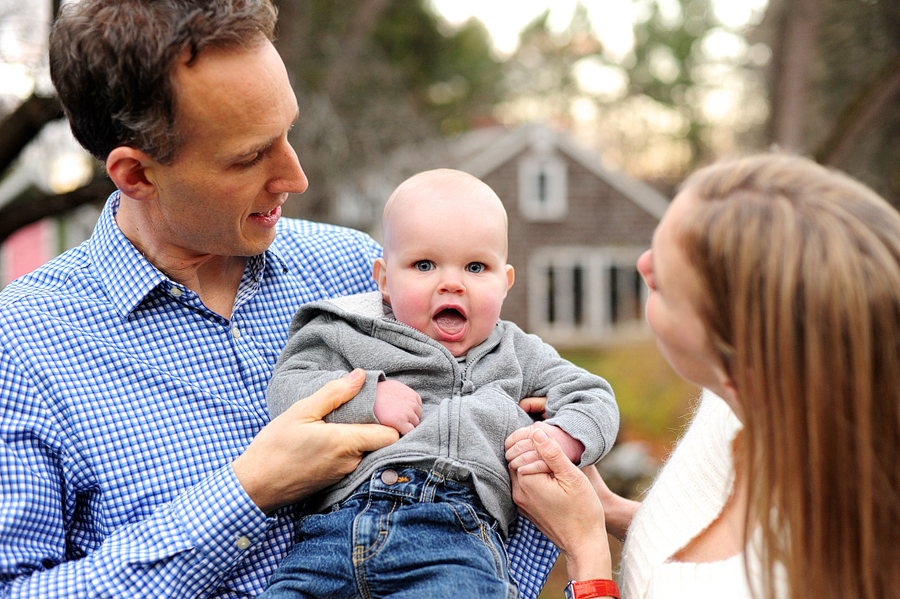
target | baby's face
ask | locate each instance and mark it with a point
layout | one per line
(445, 272)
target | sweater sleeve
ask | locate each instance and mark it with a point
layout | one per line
(312, 358)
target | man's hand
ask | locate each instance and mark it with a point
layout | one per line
(397, 406)
(522, 455)
(536, 407)
(297, 453)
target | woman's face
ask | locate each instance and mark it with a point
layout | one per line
(673, 306)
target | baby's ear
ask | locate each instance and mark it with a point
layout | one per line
(510, 276)
(379, 273)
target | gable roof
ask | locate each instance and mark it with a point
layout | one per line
(483, 151)
(359, 201)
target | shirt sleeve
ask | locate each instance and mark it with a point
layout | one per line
(184, 548)
(531, 557)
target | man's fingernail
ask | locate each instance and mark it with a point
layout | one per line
(357, 375)
(540, 436)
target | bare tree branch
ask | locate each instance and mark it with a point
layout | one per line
(860, 114)
(23, 124)
(34, 204)
(355, 43)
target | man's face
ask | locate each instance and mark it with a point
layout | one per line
(222, 196)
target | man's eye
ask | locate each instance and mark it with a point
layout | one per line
(252, 162)
(424, 265)
(475, 267)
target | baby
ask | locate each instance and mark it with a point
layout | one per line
(430, 512)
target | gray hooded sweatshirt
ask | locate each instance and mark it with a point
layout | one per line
(469, 405)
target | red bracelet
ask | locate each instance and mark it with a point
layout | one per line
(586, 589)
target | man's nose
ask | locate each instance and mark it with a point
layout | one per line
(289, 176)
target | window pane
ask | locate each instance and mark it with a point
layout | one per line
(551, 296)
(613, 295)
(578, 295)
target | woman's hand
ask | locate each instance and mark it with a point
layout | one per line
(564, 506)
(618, 510)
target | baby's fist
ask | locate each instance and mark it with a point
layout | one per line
(397, 406)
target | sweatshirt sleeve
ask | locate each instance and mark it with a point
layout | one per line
(312, 358)
(579, 402)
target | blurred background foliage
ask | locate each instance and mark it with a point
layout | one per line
(821, 77)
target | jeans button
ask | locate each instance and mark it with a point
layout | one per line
(389, 477)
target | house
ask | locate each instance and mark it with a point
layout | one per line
(576, 228)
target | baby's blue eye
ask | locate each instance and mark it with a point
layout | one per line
(424, 265)
(475, 267)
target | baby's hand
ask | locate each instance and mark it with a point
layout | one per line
(520, 449)
(397, 406)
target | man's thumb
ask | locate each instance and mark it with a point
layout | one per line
(330, 396)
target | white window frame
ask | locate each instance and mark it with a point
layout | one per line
(590, 318)
(547, 200)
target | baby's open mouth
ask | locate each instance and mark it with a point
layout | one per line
(450, 322)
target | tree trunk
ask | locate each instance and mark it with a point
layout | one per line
(795, 52)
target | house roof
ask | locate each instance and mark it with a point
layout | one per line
(482, 151)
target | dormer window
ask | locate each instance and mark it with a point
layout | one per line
(542, 187)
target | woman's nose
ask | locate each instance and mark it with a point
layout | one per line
(645, 266)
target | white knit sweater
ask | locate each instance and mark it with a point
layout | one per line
(687, 496)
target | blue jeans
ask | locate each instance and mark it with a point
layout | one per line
(407, 533)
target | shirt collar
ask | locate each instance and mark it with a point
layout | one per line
(126, 275)
(129, 277)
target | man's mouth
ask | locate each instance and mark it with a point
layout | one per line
(450, 324)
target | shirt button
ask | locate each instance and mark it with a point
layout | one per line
(235, 332)
(175, 291)
(242, 543)
(389, 477)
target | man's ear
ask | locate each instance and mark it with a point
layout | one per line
(128, 168)
(379, 273)
(510, 277)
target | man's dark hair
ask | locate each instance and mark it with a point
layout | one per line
(112, 63)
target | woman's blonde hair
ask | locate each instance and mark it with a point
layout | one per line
(801, 269)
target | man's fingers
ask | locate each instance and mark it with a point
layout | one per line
(363, 438)
(534, 406)
(329, 397)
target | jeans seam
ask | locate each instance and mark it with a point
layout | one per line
(483, 534)
(361, 554)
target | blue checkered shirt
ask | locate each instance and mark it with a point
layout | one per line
(123, 402)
